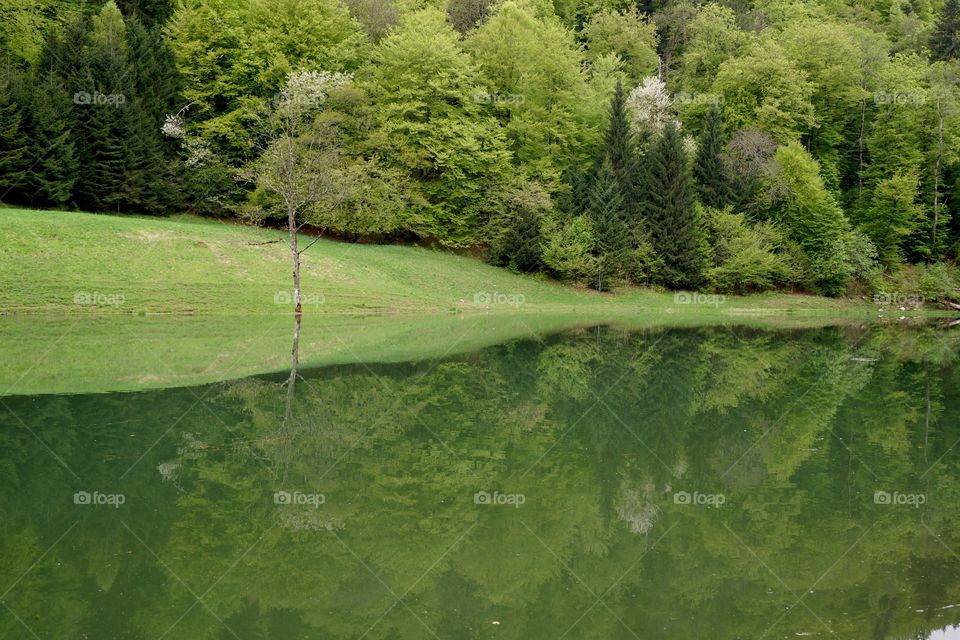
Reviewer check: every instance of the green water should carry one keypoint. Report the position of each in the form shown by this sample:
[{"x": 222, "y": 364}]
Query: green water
[{"x": 667, "y": 483}]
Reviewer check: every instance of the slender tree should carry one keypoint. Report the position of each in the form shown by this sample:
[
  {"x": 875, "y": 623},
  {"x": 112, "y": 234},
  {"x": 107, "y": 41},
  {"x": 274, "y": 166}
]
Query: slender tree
[
  {"x": 710, "y": 171},
  {"x": 621, "y": 152},
  {"x": 604, "y": 208},
  {"x": 671, "y": 212}
]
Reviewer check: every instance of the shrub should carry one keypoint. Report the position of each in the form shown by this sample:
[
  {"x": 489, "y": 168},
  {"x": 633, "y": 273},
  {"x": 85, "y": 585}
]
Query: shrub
[
  {"x": 568, "y": 249},
  {"x": 746, "y": 257}
]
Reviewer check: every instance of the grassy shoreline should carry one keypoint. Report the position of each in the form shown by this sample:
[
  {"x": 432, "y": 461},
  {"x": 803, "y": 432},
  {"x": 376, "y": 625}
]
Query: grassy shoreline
[{"x": 66, "y": 263}]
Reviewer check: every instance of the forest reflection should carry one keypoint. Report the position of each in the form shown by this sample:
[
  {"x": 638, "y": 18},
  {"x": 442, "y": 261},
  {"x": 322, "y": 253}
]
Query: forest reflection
[{"x": 598, "y": 483}]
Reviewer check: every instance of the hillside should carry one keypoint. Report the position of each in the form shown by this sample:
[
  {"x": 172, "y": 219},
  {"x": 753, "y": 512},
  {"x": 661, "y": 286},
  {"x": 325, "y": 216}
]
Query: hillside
[{"x": 71, "y": 263}]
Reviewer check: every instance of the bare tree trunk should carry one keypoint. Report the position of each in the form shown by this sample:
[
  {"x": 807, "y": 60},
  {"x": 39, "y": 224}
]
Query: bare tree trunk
[
  {"x": 295, "y": 253},
  {"x": 863, "y": 124},
  {"x": 936, "y": 184}
]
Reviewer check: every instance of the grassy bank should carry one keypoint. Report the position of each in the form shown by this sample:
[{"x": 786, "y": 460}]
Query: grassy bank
[{"x": 74, "y": 263}]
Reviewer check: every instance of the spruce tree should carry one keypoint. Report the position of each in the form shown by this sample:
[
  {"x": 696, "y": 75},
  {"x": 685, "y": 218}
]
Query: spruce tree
[
  {"x": 604, "y": 208},
  {"x": 620, "y": 151},
  {"x": 671, "y": 212},
  {"x": 13, "y": 144},
  {"x": 710, "y": 171},
  {"x": 53, "y": 174},
  {"x": 945, "y": 41},
  {"x": 573, "y": 201}
]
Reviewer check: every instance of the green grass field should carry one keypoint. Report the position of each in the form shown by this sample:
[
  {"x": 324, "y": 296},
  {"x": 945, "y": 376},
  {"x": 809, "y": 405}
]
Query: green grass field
[
  {"x": 76, "y": 263},
  {"x": 198, "y": 303}
]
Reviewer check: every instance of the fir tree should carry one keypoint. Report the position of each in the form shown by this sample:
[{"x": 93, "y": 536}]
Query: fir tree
[
  {"x": 604, "y": 208},
  {"x": 573, "y": 201},
  {"x": 945, "y": 41},
  {"x": 620, "y": 151},
  {"x": 671, "y": 212},
  {"x": 520, "y": 247},
  {"x": 13, "y": 143},
  {"x": 710, "y": 171},
  {"x": 54, "y": 171}
]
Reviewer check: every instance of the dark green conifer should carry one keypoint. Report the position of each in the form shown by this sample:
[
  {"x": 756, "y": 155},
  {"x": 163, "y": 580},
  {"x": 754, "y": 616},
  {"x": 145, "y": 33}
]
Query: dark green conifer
[
  {"x": 671, "y": 212},
  {"x": 604, "y": 208},
  {"x": 710, "y": 171},
  {"x": 945, "y": 41}
]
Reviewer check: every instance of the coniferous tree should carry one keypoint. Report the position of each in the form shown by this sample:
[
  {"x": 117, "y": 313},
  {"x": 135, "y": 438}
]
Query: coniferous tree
[
  {"x": 604, "y": 208},
  {"x": 620, "y": 151},
  {"x": 520, "y": 247},
  {"x": 13, "y": 143},
  {"x": 945, "y": 41},
  {"x": 573, "y": 201},
  {"x": 54, "y": 169},
  {"x": 710, "y": 171},
  {"x": 671, "y": 212}
]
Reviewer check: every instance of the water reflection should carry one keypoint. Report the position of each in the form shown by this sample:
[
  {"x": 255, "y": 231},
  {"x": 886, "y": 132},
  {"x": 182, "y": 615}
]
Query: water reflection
[{"x": 594, "y": 484}]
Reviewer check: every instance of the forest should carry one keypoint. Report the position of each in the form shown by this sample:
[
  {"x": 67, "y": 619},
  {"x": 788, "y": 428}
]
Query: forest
[{"x": 737, "y": 146}]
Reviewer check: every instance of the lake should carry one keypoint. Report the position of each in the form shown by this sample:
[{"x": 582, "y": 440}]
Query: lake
[{"x": 680, "y": 482}]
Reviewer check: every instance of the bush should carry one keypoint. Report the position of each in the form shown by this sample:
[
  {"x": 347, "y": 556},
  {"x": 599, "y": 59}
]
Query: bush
[
  {"x": 746, "y": 257},
  {"x": 938, "y": 282},
  {"x": 568, "y": 249}
]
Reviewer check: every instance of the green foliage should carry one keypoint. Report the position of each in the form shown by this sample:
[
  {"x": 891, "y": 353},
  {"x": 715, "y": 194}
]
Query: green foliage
[
  {"x": 811, "y": 216},
  {"x": 945, "y": 40},
  {"x": 532, "y": 80},
  {"x": 13, "y": 141},
  {"x": 235, "y": 55},
  {"x": 670, "y": 210},
  {"x": 746, "y": 257},
  {"x": 764, "y": 88},
  {"x": 434, "y": 130},
  {"x": 629, "y": 35},
  {"x": 893, "y": 216},
  {"x": 604, "y": 207},
  {"x": 568, "y": 249},
  {"x": 710, "y": 171},
  {"x": 713, "y": 38}
]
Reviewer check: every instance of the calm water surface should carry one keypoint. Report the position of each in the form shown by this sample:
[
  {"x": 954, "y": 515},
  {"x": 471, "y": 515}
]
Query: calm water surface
[{"x": 670, "y": 483}]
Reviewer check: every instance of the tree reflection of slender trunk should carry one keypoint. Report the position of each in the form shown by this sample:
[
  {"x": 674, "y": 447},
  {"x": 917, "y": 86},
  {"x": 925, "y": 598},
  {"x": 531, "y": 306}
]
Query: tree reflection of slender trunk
[{"x": 287, "y": 429}]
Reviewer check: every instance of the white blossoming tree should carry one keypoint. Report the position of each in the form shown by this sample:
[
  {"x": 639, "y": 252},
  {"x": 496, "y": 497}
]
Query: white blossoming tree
[{"x": 301, "y": 156}]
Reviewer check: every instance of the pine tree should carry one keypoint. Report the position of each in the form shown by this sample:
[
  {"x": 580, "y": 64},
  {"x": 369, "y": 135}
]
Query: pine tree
[
  {"x": 671, "y": 213},
  {"x": 619, "y": 149},
  {"x": 573, "y": 201},
  {"x": 604, "y": 208},
  {"x": 13, "y": 143},
  {"x": 53, "y": 174},
  {"x": 710, "y": 171},
  {"x": 520, "y": 247},
  {"x": 945, "y": 42}
]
